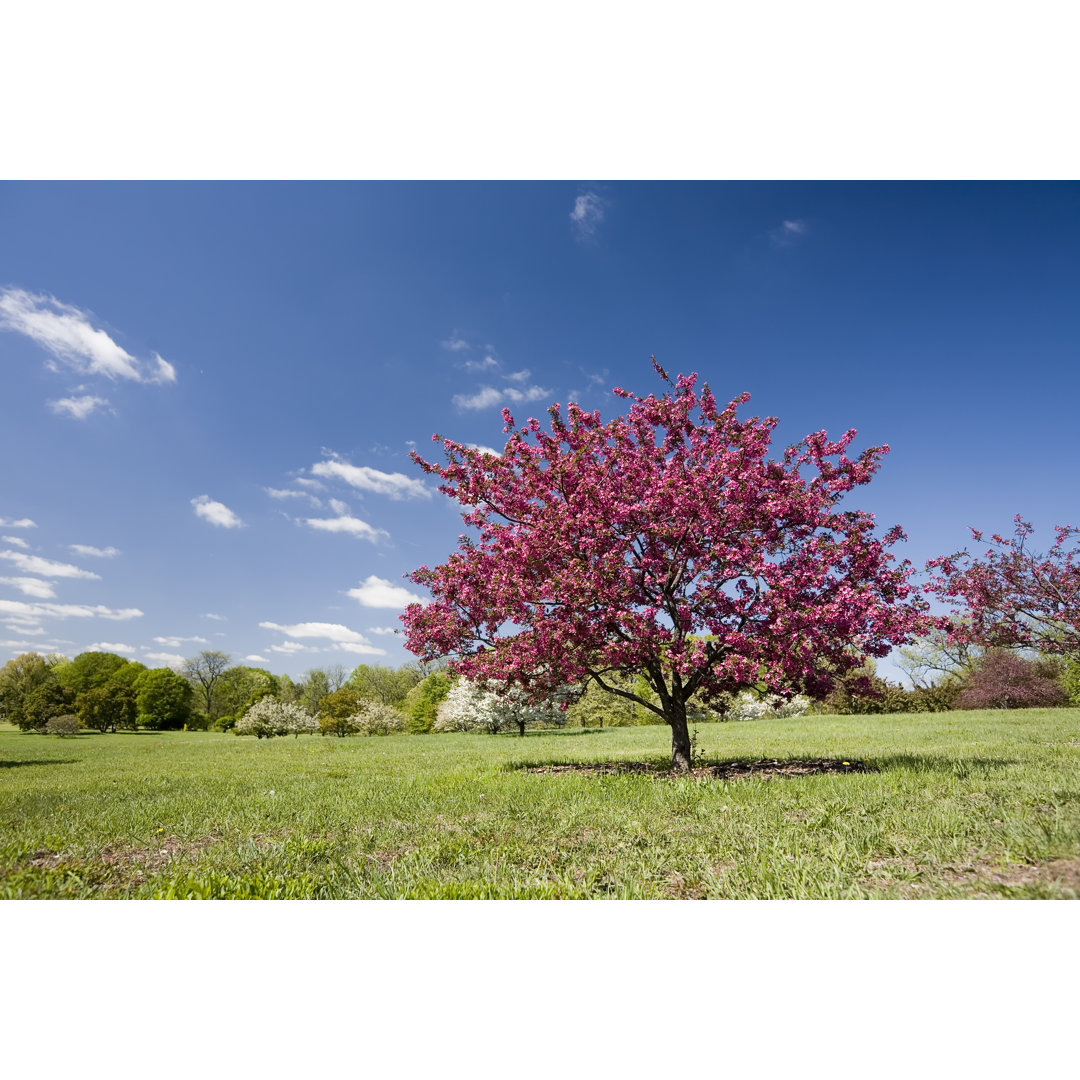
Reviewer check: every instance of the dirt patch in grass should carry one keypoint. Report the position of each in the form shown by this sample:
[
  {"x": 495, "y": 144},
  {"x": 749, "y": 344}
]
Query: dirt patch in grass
[
  {"x": 978, "y": 878},
  {"x": 766, "y": 768}
]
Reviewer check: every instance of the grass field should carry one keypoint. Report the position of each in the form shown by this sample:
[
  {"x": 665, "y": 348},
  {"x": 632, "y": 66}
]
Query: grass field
[{"x": 951, "y": 805}]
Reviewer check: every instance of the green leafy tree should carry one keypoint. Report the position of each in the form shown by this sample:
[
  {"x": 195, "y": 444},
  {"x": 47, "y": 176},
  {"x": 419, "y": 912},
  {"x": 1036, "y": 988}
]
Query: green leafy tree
[
  {"x": 203, "y": 672},
  {"x": 19, "y": 678},
  {"x": 240, "y": 687},
  {"x": 421, "y": 704},
  {"x": 90, "y": 671},
  {"x": 47, "y": 700},
  {"x": 164, "y": 699},
  {"x": 385, "y": 685},
  {"x": 107, "y": 708}
]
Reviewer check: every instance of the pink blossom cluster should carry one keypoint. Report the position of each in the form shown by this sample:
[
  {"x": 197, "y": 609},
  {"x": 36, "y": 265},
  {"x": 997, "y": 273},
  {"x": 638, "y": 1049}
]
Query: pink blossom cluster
[
  {"x": 665, "y": 541},
  {"x": 1012, "y": 597}
]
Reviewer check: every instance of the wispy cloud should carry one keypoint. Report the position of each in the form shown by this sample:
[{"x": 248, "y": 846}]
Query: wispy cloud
[
  {"x": 22, "y": 523},
  {"x": 176, "y": 642},
  {"x": 383, "y": 630},
  {"x": 18, "y": 541},
  {"x": 488, "y": 396},
  {"x": 35, "y": 564},
  {"x": 79, "y": 407},
  {"x": 30, "y": 586},
  {"x": 377, "y": 592},
  {"x": 456, "y": 343},
  {"x": 257, "y": 658},
  {"x": 216, "y": 618},
  {"x": 396, "y": 485},
  {"x": 488, "y": 363},
  {"x": 785, "y": 234},
  {"x": 287, "y": 493},
  {"x": 94, "y": 552},
  {"x": 18, "y": 609},
  {"x": 173, "y": 660},
  {"x": 353, "y": 526},
  {"x": 330, "y": 631},
  {"x": 586, "y": 215},
  {"x": 216, "y": 513},
  {"x": 69, "y": 335},
  {"x": 111, "y": 646},
  {"x": 290, "y": 647}
]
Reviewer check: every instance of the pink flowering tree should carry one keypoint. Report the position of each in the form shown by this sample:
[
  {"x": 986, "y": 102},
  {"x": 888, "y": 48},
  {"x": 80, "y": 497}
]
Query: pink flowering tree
[
  {"x": 1012, "y": 597},
  {"x": 663, "y": 542}
]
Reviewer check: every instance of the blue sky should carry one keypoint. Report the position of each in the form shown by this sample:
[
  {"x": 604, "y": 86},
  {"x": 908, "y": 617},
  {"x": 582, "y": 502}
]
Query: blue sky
[{"x": 210, "y": 390}]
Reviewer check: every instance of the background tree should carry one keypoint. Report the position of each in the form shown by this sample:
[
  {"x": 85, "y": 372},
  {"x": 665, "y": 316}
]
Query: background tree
[
  {"x": 90, "y": 670},
  {"x": 203, "y": 672},
  {"x": 664, "y": 543},
  {"x": 45, "y": 701},
  {"x": 107, "y": 708},
  {"x": 1011, "y": 597},
  {"x": 470, "y": 706},
  {"x": 269, "y": 717},
  {"x": 164, "y": 699},
  {"x": 389, "y": 686},
  {"x": 19, "y": 678},
  {"x": 240, "y": 687},
  {"x": 421, "y": 704},
  {"x": 1001, "y": 679}
]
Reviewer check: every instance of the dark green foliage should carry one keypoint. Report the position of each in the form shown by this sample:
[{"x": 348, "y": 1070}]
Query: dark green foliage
[
  {"x": 862, "y": 692},
  {"x": 598, "y": 708},
  {"x": 421, "y": 704},
  {"x": 1070, "y": 680},
  {"x": 164, "y": 700},
  {"x": 238, "y": 688},
  {"x": 19, "y": 678},
  {"x": 108, "y": 708},
  {"x": 47, "y": 700}
]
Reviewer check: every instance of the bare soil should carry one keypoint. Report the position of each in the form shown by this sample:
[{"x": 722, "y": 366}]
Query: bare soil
[{"x": 766, "y": 768}]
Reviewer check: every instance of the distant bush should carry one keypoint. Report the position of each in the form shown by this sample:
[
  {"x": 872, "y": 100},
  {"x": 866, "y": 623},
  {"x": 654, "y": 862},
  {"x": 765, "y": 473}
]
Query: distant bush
[
  {"x": 748, "y": 706},
  {"x": 337, "y": 725},
  {"x": 374, "y": 718},
  {"x": 1000, "y": 679},
  {"x": 269, "y": 717},
  {"x": 61, "y": 725}
]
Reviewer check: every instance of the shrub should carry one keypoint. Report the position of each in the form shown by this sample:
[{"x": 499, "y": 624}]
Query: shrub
[
  {"x": 749, "y": 706},
  {"x": 374, "y": 718},
  {"x": 61, "y": 725},
  {"x": 269, "y": 717},
  {"x": 1000, "y": 679}
]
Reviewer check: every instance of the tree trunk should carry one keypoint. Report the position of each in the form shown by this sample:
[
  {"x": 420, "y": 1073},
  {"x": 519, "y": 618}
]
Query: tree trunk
[
  {"x": 680, "y": 737},
  {"x": 521, "y": 728}
]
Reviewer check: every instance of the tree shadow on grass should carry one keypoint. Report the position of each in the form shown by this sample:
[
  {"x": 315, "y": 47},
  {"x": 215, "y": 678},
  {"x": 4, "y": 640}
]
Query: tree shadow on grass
[
  {"x": 939, "y": 763},
  {"x": 765, "y": 768},
  {"x": 38, "y": 761}
]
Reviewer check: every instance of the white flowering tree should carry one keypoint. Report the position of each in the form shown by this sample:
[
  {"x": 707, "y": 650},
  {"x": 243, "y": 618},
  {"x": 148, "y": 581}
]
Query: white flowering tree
[
  {"x": 748, "y": 706},
  {"x": 472, "y": 706},
  {"x": 269, "y": 717},
  {"x": 375, "y": 718}
]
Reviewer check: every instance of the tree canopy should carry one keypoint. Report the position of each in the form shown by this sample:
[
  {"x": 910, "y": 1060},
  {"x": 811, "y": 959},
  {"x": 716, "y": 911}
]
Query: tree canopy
[{"x": 664, "y": 542}]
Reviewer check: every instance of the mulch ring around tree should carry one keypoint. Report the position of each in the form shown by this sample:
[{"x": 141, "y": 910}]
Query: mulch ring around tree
[{"x": 766, "y": 768}]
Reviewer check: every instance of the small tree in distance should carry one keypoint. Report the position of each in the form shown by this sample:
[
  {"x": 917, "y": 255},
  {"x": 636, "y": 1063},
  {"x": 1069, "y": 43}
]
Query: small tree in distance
[
  {"x": 665, "y": 543},
  {"x": 1000, "y": 679}
]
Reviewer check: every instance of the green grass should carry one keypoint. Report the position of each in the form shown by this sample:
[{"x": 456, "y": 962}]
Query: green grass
[{"x": 959, "y": 804}]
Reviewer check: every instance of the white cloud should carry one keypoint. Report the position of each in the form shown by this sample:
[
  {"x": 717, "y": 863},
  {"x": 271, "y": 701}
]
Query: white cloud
[
  {"x": 95, "y": 552},
  {"x": 17, "y": 609},
  {"x": 484, "y": 449},
  {"x": 377, "y": 592},
  {"x": 313, "y": 484},
  {"x": 216, "y": 618},
  {"x": 287, "y": 493},
  {"x": 587, "y": 214},
  {"x": 486, "y": 364},
  {"x": 331, "y": 631},
  {"x": 488, "y": 396},
  {"x": 216, "y": 513},
  {"x": 290, "y": 647},
  {"x": 30, "y": 586},
  {"x": 79, "y": 407},
  {"x": 396, "y": 485},
  {"x": 455, "y": 344},
  {"x": 173, "y": 660},
  {"x": 69, "y": 335},
  {"x": 256, "y": 657},
  {"x": 176, "y": 642},
  {"x": 22, "y": 523},
  {"x": 345, "y": 524},
  {"x": 361, "y": 650},
  {"x": 518, "y": 376},
  {"x": 35, "y": 564},
  {"x": 110, "y": 646},
  {"x": 382, "y": 630},
  {"x": 339, "y": 507},
  {"x": 18, "y": 541}
]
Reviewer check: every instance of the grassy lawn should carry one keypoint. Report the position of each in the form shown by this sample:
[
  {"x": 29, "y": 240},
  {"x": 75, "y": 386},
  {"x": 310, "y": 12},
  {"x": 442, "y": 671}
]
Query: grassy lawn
[{"x": 951, "y": 805}]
